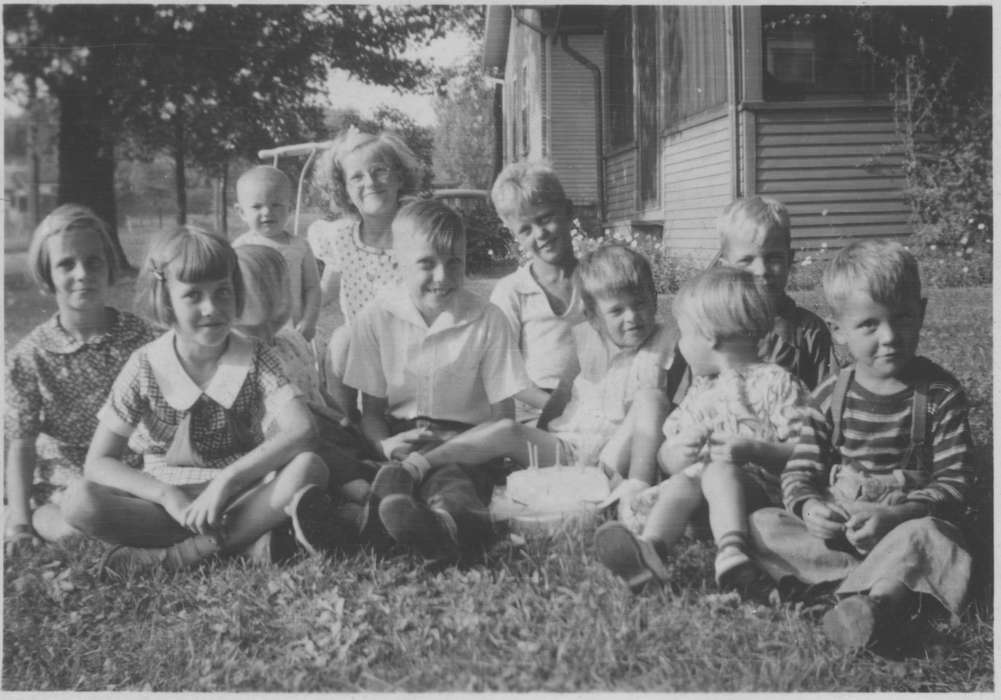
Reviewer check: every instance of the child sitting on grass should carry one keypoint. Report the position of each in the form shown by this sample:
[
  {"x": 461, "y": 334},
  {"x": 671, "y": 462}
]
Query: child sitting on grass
[
  {"x": 883, "y": 468},
  {"x": 366, "y": 178},
  {"x": 616, "y": 403},
  {"x": 264, "y": 200},
  {"x": 60, "y": 373},
  {"x": 265, "y": 315},
  {"x": 431, "y": 360},
  {"x": 727, "y": 442},
  {"x": 541, "y": 299},
  {"x": 193, "y": 402},
  {"x": 755, "y": 236}
]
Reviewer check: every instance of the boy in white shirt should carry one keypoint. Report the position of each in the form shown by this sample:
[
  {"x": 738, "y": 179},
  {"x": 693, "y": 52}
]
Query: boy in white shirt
[
  {"x": 431, "y": 360},
  {"x": 616, "y": 403},
  {"x": 264, "y": 200},
  {"x": 541, "y": 299}
]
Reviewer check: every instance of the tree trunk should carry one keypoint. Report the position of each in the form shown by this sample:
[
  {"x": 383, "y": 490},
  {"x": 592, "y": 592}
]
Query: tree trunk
[
  {"x": 221, "y": 204},
  {"x": 180, "y": 183},
  {"x": 86, "y": 158}
]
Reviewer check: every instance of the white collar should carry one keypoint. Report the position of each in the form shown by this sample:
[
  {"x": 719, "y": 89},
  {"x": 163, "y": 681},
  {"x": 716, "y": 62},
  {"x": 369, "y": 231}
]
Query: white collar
[
  {"x": 466, "y": 308},
  {"x": 181, "y": 392}
]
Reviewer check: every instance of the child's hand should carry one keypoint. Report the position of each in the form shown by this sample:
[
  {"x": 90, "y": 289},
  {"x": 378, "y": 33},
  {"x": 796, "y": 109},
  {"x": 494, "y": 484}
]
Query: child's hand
[
  {"x": 307, "y": 330},
  {"x": 687, "y": 444},
  {"x": 20, "y": 538},
  {"x": 204, "y": 515},
  {"x": 824, "y": 520},
  {"x": 175, "y": 502},
  {"x": 864, "y": 530},
  {"x": 400, "y": 445},
  {"x": 727, "y": 447}
]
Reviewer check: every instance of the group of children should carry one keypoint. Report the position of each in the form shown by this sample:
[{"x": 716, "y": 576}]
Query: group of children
[{"x": 211, "y": 428}]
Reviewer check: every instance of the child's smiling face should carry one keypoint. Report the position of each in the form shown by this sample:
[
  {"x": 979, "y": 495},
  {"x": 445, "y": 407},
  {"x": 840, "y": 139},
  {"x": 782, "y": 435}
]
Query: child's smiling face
[
  {"x": 264, "y": 204},
  {"x": 78, "y": 269},
  {"x": 626, "y": 319},
  {"x": 543, "y": 231},
  {"x": 767, "y": 257},
  {"x": 203, "y": 311},
  {"x": 431, "y": 276},
  {"x": 882, "y": 338},
  {"x": 373, "y": 185}
]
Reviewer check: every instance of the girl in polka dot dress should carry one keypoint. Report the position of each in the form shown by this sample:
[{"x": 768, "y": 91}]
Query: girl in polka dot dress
[
  {"x": 193, "y": 403},
  {"x": 59, "y": 374},
  {"x": 365, "y": 177}
]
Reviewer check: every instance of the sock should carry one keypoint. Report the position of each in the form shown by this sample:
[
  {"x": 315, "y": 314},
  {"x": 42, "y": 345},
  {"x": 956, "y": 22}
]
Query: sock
[
  {"x": 190, "y": 551},
  {"x": 417, "y": 465},
  {"x": 731, "y": 553}
]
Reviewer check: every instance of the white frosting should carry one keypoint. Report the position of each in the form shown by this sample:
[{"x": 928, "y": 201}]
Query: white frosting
[{"x": 557, "y": 489}]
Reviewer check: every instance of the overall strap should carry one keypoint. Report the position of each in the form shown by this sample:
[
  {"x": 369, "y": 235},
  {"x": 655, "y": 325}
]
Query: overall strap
[
  {"x": 919, "y": 424},
  {"x": 841, "y": 385}
]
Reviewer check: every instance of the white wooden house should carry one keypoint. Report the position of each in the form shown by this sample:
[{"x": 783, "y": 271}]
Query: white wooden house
[{"x": 656, "y": 116}]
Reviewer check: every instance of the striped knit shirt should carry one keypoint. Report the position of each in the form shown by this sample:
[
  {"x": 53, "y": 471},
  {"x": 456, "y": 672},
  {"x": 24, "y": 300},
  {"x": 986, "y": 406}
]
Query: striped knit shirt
[{"x": 877, "y": 434}]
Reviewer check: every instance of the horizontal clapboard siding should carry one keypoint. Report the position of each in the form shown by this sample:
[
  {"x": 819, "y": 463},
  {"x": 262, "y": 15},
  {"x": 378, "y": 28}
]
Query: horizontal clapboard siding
[
  {"x": 620, "y": 186},
  {"x": 572, "y": 123},
  {"x": 696, "y": 170},
  {"x": 838, "y": 171}
]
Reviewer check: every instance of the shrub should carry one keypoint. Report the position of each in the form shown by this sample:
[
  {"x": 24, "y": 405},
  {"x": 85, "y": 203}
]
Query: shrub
[{"x": 489, "y": 245}]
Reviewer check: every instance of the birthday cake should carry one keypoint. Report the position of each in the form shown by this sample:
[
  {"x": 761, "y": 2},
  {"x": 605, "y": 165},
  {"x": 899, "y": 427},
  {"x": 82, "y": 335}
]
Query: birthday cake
[{"x": 557, "y": 489}]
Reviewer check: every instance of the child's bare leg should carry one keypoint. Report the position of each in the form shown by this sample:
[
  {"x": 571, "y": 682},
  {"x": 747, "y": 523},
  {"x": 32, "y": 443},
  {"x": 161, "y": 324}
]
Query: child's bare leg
[
  {"x": 724, "y": 493},
  {"x": 677, "y": 501},
  {"x": 51, "y": 526},
  {"x": 262, "y": 508},
  {"x": 648, "y": 412},
  {"x": 489, "y": 441}
]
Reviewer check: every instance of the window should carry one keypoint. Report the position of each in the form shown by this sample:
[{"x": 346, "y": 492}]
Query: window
[
  {"x": 812, "y": 51},
  {"x": 620, "y": 77}
]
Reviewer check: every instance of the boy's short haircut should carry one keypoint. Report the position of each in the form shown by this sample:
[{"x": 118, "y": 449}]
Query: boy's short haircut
[
  {"x": 885, "y": 270},
  {"x": 60, "y": 220},
  {"x": 751, "y": 218},
  {"x": 612, "y": 270},
  {"x": 265, "y": 172},
  {"x": 433, "y": 220},
  {"x": 188, "y": 254},
  {"x": 328, "y": 174},
  {"x": 726, "y": 302},
  {"x": 526, "y": 183},
  {"x": 265, "y": 272}
]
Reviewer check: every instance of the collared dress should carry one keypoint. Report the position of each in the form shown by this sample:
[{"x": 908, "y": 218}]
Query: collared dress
[
  {"x": 56, "y": 384},
  {"x": 365, "y": 270},
  {"x": 187, "y": 433},
  {"x": 452, "y": 370}
]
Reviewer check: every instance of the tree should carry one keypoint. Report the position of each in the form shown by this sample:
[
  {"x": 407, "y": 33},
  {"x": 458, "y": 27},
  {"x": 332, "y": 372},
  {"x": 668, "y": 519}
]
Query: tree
[
  {"x": 463, "y": 139},
  {"x": 207, "y": 81}
]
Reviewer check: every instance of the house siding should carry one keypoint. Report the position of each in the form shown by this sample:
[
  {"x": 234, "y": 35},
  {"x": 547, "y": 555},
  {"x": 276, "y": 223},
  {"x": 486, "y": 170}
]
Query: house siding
[
  {"x": 838, "y": 171},
  {"x": 697, "y": 166},
  {"x": 620, "y": 188},
  {"x": 573, "y": 150}
]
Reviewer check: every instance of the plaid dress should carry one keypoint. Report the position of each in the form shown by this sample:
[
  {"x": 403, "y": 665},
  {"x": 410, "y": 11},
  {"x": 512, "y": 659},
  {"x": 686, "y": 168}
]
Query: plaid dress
[{"x": 160, "y": 408}]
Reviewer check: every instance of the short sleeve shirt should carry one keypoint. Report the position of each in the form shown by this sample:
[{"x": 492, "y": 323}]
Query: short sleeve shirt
[
  {"x": 153, "y": 394},
  {"x": 56, "y": 383},
  {"x": 365, "y": 270},
  {"x": 453, "y": 369},
  {"x": 299, "y": 260},
  {"x": 545, "y": 339}
]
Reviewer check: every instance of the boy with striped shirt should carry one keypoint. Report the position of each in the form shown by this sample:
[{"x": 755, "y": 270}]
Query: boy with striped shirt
[{"x": 882, "y": 471}]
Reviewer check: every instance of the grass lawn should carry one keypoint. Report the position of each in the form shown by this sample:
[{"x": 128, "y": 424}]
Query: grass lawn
[{"x": 537, "y": 615}]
